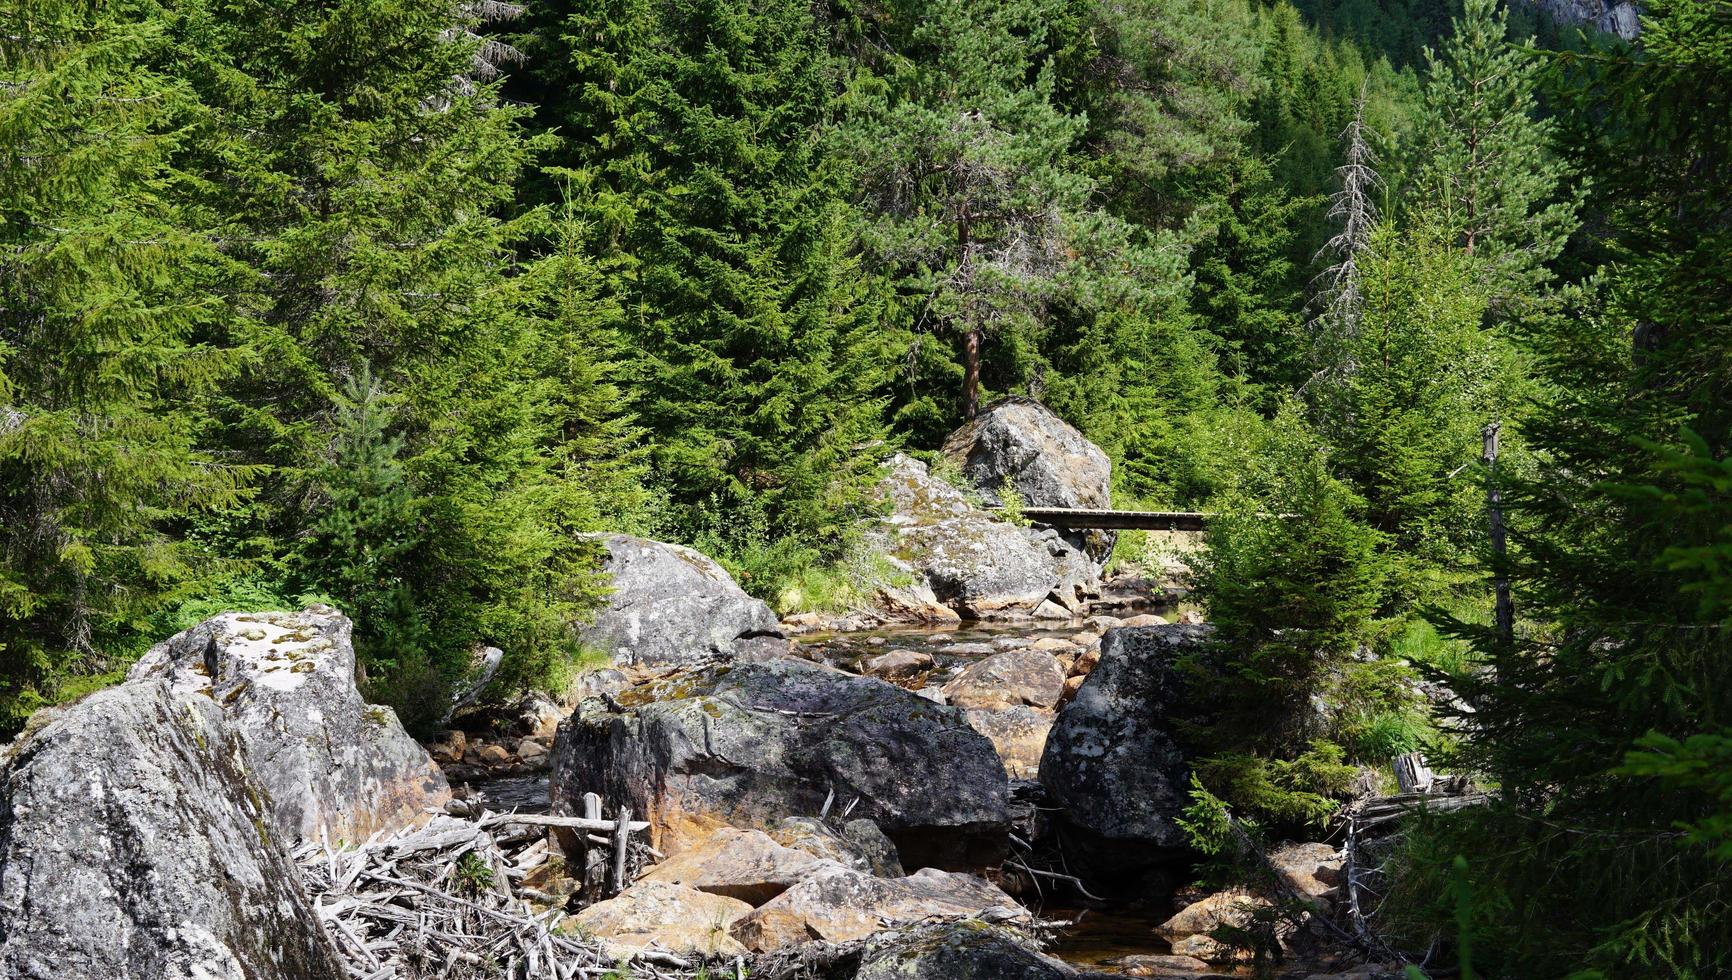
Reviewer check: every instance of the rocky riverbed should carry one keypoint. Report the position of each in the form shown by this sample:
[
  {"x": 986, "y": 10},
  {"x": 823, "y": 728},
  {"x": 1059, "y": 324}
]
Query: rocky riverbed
[{"x": 979, "y": 764}]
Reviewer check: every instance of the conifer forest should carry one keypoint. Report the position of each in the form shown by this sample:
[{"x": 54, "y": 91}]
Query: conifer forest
[{"x": 550, "y": 367}]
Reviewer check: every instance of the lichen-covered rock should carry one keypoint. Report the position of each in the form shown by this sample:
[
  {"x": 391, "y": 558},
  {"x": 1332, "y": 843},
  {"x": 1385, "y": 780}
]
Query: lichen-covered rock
[
  {"x": 674, "y": 606},
  {"x": 859, "y": 844},
  {"x": 970, "y": 560},
  {"x": 674, "y": 917},
  {"x": 1018, "y": 733},
  {"x": 751, "y": 744},
  {"x": 1030, "y": 677},
  {"x": 957, "y": 951},
  {"x": 1020, "y": 444},
  {"x": 134, "y": 844},
  {"x": 1111, "y": 762},
  {"x": 1189, "y": 929},
  {"x": 332, "y": 763},
  {"x": 839, "y": 905}
]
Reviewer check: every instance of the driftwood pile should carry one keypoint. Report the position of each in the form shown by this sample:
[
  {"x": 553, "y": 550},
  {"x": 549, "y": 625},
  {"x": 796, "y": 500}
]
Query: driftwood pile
[{"x": 449, "y": 899}]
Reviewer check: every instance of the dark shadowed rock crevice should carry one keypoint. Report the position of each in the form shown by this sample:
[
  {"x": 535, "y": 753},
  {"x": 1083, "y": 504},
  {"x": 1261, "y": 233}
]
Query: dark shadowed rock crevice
[{"x": 750, "y": 745}]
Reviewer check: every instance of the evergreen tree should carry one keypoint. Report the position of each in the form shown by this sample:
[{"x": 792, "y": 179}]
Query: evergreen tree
[
  {"x": 1582, "y": 859},
  {"x": 963, "y": 161},
  {"x": 356, "y": 164},
  {"x": 104, "y": 304},
  {"x": 1489, "y": 165},
  {"x": 1292, "y": 579},
  {"x": 695, "y": 128}
]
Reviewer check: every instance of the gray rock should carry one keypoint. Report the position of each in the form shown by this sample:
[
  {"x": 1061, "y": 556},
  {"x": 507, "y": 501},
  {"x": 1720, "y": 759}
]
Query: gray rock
[
  {"x": 1030, "y": 677},
  {"x": 134, "y": 844},
  {"x": 749, "y": 745},
  {"x": 1111, "y": 762},
  {"x": 1021, "y": 444},
  {"x": 1610, "y": 16},
  {"x": 953, "y": 951},
  {"x": 968, "y": 559},
  {"x": 286, "y": 681},
  {"x": 675, "y": 606},
  {"x": 838, "y": 905}
]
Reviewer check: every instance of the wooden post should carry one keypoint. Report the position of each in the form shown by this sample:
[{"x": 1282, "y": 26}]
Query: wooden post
[
  {"x": 594, "y": 861},
  {"x": 1494, "y": 506},
  {"x": 621, "y": 837},
  {"x": 1411, "y": 773}
]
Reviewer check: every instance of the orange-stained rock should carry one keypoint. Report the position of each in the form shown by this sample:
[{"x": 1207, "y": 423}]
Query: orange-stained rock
[
  {"x": 838, "y": 905},
  {"x": 743, "y": 864},
  {"x": 677, "y": 918},
  {"x": 1018, "y": 733},
  {"x": 1030, "y": 677}
]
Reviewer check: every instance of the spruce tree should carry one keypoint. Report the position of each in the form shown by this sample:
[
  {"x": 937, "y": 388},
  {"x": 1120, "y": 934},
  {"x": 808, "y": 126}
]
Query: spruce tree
[
  {"x": 694, "y": 128},
  {"x": 360, "y": 167},
  {"x": 1589, "y": 858},
  {"x": 105, "y": 303}
]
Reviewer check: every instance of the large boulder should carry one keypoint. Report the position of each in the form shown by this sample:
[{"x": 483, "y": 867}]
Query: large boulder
[
  {"x": 1019, "y": 444},
  {"x": 1026, "y": 676},
  {"x": 839, "y": 905},
  {"x": 968, "y": 559},
  {"x": 333, "y": 764},
  {"x": 675, "y": 606},
  {"x": 751, "y": 744},
  {"x": 134, "y": 843},
  {"x": 1111, "y": 761}
]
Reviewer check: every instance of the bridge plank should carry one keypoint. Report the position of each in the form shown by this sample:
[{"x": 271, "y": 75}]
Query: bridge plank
[{"x": 1145, "y": 520}]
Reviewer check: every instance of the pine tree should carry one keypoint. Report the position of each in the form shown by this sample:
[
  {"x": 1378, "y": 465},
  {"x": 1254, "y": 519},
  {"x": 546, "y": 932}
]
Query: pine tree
[
  {"x": 963, "y": 161},
  {"x": 1488, "y": 163},
  {"x": 104, "y": 306}
]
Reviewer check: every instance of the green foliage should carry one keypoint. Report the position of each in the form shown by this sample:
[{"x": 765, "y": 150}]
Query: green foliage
[
  {"x": 1489, "y": 170},
  {"x": 105, "y": 312},
  {"x": 1301, "y": 791},
  {"x": 473, "y": 875}
]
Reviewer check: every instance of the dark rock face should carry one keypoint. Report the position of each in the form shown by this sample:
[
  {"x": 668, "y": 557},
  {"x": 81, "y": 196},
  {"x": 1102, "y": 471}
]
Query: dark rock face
[
  {"x": 286, "y": 682},
  {"x": 1020, "y": 444},
  {"x": 674, "y": 606},
  {"x": 968, "y": 559},
  {"x": 1620, "y": 17},
  {"x": 959, "y": 951},
  {"x": 1110, "y": 760},
  {"x": 749, "y": 745},
  {"x": 133, "y": 843}
]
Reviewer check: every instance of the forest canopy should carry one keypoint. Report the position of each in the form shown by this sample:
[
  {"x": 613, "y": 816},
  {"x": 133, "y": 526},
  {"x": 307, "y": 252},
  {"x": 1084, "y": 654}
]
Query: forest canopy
[{"x": 385, "y": 303}]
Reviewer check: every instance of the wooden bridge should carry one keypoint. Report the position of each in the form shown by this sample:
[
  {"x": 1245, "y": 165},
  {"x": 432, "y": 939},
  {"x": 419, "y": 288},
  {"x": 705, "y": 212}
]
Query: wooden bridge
[{"x": 1076, "y": 518}]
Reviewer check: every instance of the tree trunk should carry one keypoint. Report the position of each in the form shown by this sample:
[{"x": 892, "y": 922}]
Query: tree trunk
[{"x": 971, "y": 374}]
